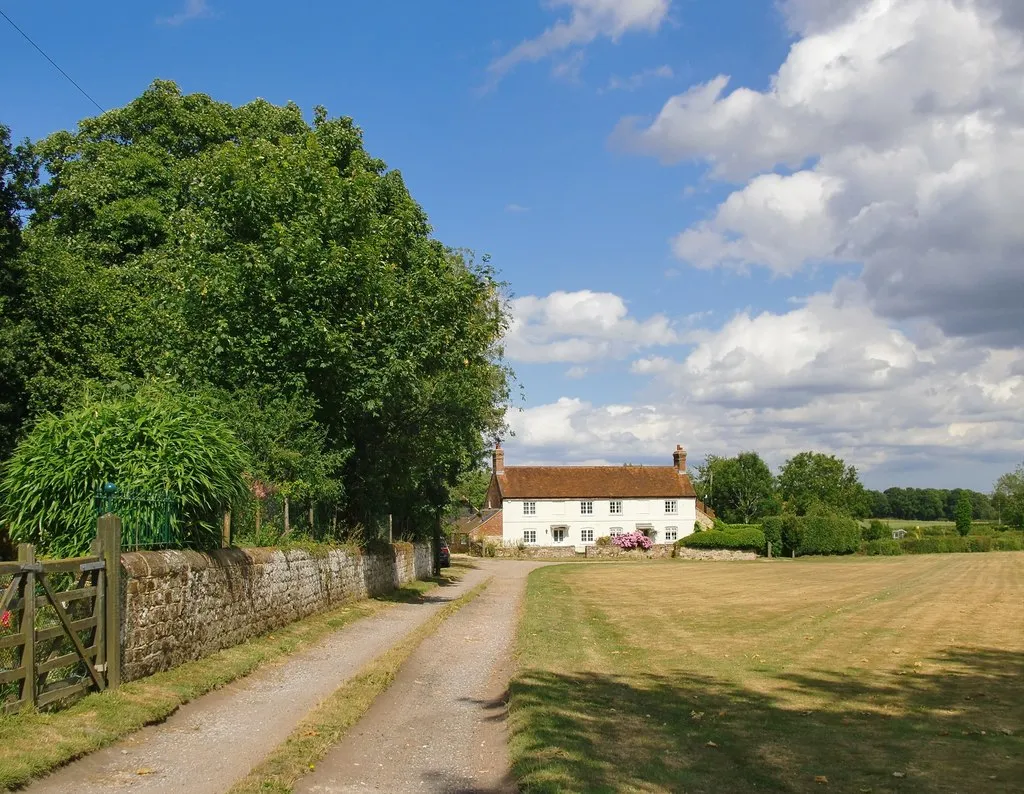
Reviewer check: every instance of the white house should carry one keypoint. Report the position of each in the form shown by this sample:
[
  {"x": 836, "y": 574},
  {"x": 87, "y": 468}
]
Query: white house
[{"x": 576, "y": 505}]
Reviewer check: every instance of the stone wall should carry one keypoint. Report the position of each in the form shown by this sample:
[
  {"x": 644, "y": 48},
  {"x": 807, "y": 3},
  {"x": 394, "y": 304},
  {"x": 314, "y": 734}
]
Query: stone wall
[
  {"x": 656, "y": 552},
  {"x": 183, "y": 605},
  {"x": 714, "y": 554},
  {"x": 535, "y": 552}
]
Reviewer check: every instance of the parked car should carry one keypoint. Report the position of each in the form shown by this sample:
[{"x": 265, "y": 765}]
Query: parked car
[{"x": 445, "y": 555}]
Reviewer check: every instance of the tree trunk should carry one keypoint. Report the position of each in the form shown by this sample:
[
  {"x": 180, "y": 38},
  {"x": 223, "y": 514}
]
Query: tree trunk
[{"x": 287, "y": 523}]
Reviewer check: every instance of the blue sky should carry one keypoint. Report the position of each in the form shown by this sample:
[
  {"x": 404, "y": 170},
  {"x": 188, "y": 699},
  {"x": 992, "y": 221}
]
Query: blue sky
[{"x": 729, "y": 266}]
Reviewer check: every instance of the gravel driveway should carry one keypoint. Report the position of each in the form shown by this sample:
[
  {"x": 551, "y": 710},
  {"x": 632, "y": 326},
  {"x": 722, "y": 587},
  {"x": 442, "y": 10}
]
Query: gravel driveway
[
  {"x": 209, "y": 744},
  {"x": 440, "y": 726}
]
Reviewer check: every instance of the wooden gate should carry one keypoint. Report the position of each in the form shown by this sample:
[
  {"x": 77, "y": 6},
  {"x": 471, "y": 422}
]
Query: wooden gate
[{"x": 60, "y": 623}]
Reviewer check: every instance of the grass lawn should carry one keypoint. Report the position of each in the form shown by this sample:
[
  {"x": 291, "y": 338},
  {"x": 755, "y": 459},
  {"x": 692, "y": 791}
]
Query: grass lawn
[{"x": 855, "y": 674}]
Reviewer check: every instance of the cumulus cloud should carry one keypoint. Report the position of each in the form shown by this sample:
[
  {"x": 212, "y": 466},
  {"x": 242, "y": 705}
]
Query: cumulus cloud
[
  {"x": 827, "y": 375},
  {"x": 576, "y": 327},
  {"x": 892, "y": 137},
  {"x": 588, "y": 20}
]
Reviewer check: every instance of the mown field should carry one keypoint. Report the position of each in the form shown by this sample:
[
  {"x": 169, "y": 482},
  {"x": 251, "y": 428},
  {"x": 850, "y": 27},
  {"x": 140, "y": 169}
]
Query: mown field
[{"x": 854, "y": 675}]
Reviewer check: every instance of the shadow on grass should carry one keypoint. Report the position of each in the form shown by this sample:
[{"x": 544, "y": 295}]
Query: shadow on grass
[{"x": 955, "y": 731}]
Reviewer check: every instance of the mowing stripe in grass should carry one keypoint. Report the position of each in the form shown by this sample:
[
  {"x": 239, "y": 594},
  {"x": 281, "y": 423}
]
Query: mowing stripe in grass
[
  {"x": 36, "y": 743},
  {"x": 325, "y": 725}
]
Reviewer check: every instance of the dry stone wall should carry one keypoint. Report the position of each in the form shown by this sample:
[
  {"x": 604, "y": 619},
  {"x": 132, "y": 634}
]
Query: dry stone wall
[
  {"x": 183, "y": 605},
  {"x": 656, "y": 552}
]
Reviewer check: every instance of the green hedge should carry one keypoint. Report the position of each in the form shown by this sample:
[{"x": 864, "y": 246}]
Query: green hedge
[
  {"x": 828, "y": 534},
  {"x": 882, "y": 548},
  {"x": 772, "y": 529},
  {"x": 945, "y": 545},
  {"x": 745, "y": 538}
]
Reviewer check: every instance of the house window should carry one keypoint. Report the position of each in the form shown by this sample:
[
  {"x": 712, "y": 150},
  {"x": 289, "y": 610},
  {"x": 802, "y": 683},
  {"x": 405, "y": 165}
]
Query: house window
[
  {"x": 529, "y": 536},
  {"x": 671, "y": 506},
  {"x": 615, "y": 532},
  {"x": 588, "y": 536},
  {"x": 587, "y": 508},
  {"x": 615, "y": 507},
  {"x": 558, "y": 534},
  {"x": 671, "y": 534},
  {"x": 529, "y": 508}
]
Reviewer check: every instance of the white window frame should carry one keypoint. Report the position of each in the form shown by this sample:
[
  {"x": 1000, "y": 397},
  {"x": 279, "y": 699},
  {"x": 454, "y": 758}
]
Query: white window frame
[
  {"x": 529, "y": 508},
  {"x": 554, "y": 534},
  {"x": 615, "y": 507},
  {"x": 614, "y": 532},
  {"x": 671, "y": 507},
  {"x": 671, "y": 534},
  {"x": 529, "y": 536},
  {"x": 587, "y": 536},
  {"x": 587, "y": 507}
]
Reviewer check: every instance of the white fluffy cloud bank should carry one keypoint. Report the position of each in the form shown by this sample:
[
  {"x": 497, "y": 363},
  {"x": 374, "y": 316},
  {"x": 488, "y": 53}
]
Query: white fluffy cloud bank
[
  {"x": 828, "y": 375},
  {"x": 892, "y": 137},
  {"x": 577, "y": 327}
]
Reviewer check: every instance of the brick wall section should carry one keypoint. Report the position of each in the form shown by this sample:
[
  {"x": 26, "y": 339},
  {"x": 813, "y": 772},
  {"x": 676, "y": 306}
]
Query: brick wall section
[{"x": 183, "y": 605}]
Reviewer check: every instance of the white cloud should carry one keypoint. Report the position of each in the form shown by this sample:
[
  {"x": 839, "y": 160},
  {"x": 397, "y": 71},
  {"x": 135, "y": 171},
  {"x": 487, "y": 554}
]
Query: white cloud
[
  {"x": 588, "y": 20},
  {"x": 899, "y": 128},
  {"x": 640, "y": 79},
  {"x": 516, "y": 208},
  {"x": 827, "y": 375},
  {"x": 194, "y": 9},
  {"x": 576, "y": 373},
  {"x": 579, "y": 327}
]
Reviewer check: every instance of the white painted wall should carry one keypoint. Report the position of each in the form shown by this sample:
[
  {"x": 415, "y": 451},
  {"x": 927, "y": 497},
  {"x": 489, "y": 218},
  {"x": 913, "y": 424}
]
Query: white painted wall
[{"x": 567, "y": 512}]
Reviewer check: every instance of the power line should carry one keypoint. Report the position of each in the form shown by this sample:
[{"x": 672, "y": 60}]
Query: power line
[{"x": 52, "y": 62}]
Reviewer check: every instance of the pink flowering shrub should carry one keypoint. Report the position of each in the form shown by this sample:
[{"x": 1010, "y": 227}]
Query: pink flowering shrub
[{"x": 634, "y": 540}]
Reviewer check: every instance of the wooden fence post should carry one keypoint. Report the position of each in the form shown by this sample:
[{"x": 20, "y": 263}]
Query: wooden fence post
[
  {"x": 100, "y": 610},
  {"x": 225, "y": 538},
  {"x": 27, "y": 557},
  {"x": 769, "y": 549},
  {"x": 108, "y": 530}
]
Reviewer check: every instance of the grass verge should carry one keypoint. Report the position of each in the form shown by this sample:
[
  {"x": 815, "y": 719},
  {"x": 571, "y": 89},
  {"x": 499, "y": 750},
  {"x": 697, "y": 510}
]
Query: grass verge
[
  {"x": 876, "y": 675},
  {"x": 35, "y": 743},
  {"x": 325, "y": 725}
]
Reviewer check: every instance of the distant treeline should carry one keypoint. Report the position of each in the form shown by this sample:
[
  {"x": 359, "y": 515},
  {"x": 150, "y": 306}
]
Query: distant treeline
[{"x": 926, "y": 504}]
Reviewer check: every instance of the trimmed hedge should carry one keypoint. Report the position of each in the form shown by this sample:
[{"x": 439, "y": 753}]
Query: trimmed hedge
[
  {"x": 882, "y": 548},
  {"x": 945, "y": 545},
  {"x": 828, "y": 534},
  {"x": 745, "y": 539},
  {"x": 772, "y": 529}
]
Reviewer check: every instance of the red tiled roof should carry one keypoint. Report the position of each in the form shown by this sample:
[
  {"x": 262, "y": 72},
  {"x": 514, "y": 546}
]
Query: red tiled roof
[
  {"x": 598, "y": 482},
  {"x": 486, "y": 522}
]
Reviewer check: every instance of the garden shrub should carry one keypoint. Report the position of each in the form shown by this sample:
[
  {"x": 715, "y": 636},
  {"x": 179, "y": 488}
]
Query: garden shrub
[
  {"x": 744, "y": 539},
  {"x": 882, "y": 547},
  {"x": 151, "y": 442},
  {"x": 633, "y": 540},
  {"x": 876, "y": 530},
  {"x": 604, "y": 540}
]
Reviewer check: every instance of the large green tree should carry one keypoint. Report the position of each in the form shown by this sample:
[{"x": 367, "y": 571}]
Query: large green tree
[
  {"x": 740, "y": 489},
  {"x": 244, "y": 249},
  {"x": 809, "y": 479},
  {"x": 1008, "y": 497},
  {"x": 17, "y": 175}
]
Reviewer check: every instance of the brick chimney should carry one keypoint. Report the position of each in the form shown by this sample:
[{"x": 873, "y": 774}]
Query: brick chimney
[
  {"x": 498, "y": 459},
  {"x": 679, "y": 459}
]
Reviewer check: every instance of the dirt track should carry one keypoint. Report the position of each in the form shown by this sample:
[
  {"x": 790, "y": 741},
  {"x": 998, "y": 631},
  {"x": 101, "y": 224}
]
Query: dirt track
[
  {"x": 212, "y": 742},
  {"x": 440, "y": 726}
]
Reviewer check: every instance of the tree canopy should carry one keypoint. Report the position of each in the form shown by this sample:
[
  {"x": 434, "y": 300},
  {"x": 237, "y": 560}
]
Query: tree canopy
[
  {"x": 740, "y": 489},
  {"x": 814, "y": 478},
  {"x": 246, "y": 252}
]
